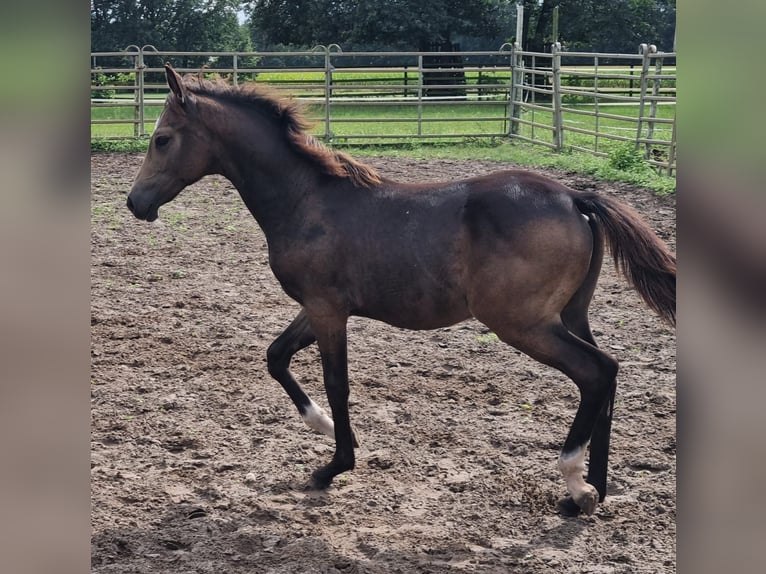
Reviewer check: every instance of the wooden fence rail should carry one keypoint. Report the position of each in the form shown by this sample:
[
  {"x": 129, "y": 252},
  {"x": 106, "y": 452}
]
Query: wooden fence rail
[{"x": 591, "y": 102}]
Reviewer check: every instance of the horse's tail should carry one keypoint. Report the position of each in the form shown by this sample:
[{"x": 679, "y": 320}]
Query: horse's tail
[{"x": 642, "y": 257}]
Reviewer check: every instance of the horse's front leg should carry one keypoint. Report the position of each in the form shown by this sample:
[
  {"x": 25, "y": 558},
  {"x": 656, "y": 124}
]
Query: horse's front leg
[
  {"x": 331, "y": 339},
  {"x": 297, "y": 336}
]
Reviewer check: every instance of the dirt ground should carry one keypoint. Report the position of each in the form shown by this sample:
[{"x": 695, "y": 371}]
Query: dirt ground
[{"x": 200, "y": 461}]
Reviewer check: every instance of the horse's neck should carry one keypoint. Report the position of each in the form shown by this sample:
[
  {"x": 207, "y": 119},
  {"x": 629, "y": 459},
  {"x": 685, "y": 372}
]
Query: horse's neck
[{"x": 271, "y": 178}]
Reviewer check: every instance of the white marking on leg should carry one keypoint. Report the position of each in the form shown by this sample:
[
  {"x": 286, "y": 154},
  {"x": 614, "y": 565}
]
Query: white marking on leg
[
  {"x": 317, "y": 419},
  {"x": 572, "y": 466}
]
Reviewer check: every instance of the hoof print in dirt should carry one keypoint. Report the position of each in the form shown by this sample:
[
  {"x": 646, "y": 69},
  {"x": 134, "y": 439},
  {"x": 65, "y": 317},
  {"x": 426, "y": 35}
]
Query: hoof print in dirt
[{"x": 380, "y": 461}]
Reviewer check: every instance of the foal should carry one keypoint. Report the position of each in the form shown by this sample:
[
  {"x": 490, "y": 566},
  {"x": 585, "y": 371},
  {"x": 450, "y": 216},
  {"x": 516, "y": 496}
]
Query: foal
[{"x": 519, "y": 252}]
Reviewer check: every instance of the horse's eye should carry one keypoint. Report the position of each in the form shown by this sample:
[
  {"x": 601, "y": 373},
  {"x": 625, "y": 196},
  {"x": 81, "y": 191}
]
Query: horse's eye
[{"x": 161, "y": 141}]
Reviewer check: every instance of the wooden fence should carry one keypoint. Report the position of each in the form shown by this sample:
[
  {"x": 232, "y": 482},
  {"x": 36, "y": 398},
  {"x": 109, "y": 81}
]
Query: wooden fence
[{"x": 592, "y": 102}]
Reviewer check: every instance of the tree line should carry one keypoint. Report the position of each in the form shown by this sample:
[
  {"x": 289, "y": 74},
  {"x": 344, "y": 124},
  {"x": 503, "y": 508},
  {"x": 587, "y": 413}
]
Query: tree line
[{"x": 421, "y": 25}]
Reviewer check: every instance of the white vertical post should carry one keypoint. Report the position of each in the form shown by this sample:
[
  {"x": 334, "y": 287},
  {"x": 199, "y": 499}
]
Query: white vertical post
[
  {"x": 653, "y": 107},
  {"x": 644, "y": 50},
  {"x": 327, "y": 94},
  {"x": 140, "y": 66},
  {"x": 420, "y": 94},
  {"x": 517, "y": 78},
  {"x": 558, "y": 119},
  {"x": 137, "y": 88}
]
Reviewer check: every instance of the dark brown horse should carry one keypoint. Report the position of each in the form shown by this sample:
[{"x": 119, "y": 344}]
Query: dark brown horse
[{"x": 517, "y": 251}]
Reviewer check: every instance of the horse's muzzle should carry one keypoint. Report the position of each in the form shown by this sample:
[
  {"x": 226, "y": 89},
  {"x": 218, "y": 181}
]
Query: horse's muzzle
[{"x": 145, "y": 212}]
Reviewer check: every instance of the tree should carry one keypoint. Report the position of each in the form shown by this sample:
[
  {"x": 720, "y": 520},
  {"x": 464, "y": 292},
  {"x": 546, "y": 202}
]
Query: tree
[
  {"x": 170, "y": 25},
  {"x": 390, "y": 24},
  {"x": 618, "y": 26}
]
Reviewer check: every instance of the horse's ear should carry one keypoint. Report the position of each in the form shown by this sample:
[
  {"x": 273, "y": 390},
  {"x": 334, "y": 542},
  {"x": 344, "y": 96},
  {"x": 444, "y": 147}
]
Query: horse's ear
[{"x": 176, "y": 84}]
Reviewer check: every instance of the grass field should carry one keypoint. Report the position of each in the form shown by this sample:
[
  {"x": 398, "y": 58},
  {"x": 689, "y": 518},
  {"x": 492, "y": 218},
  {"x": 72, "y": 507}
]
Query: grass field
[
  {"x": 401, "y": 121},
  {"x": 452, "y": 129}
]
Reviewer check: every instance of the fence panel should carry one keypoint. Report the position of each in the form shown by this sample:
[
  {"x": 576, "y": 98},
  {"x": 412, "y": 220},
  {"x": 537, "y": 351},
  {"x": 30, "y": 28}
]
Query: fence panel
[
  {"x": 591, "y": 102},
  {"x": 597, "y": 102}
]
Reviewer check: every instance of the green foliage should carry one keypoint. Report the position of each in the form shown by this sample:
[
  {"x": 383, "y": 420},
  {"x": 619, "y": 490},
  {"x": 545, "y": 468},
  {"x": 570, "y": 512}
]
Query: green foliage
[
  {"x": 191, "y": 25},
  {"x": 212, "y": 25},
  {"x": 101, "y": 79},
  {"x": 627, "y": 158},
  {"x": 528, "y": 155},
  {"x": 374, "y": 24},
  {"x": 487, "y": 338},
  {"x": 132, "y": 145},
  {"x": 593, "y": 25},
  {"x": 626, "y": 163}
]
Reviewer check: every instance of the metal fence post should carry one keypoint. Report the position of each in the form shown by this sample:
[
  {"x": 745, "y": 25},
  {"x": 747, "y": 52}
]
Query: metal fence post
[
  {"x": 672, "y": 149},
  {"x": 140, "y": 66},
  {"x": 420, "y": 94},
  {"x": 137, "y": 99},
  {"x": 516, "y": 74},
  {"x": 653, "y": 106},
  {"x": 234, "y": 70},
  {"x": 327, "y": 95},
  {"x": 558, "y": 121},
  {"x": 328, "y": 69},
  {"x": 142, "y": 94},
  {"x": 595, "y": 102},
  {"x": 644, "y": 50}
]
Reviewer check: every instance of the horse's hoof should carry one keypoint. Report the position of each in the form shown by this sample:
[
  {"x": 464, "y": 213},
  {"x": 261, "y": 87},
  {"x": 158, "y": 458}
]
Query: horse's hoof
[
  {"x": 585, "y": 503},
  {"x": 587, "y": 499},
  {"x": 567, "y": 507},
  {"x": 322, "y": 477}
]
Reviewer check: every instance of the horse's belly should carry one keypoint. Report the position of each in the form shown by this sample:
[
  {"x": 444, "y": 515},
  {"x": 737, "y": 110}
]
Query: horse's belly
[{"x": 411, "y": 307}]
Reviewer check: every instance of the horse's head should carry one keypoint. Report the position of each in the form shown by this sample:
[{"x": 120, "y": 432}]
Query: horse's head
[{"x": 179, "y": 152}]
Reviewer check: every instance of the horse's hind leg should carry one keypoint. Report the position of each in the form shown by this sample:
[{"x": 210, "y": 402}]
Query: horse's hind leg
[
  {"x": 297, "y": 336},
  {"x": 575, "y": 318},
  {"x": 594, "y": 372}
]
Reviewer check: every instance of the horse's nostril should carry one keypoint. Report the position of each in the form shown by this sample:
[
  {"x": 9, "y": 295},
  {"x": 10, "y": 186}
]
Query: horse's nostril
[{"x": 130, "y": 204}]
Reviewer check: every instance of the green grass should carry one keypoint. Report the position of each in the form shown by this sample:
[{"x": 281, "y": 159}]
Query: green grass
[
  {"x": 400, "y": 120},
  {"x": 463, "y": 122},
  {"x": 527, "y": 155}
]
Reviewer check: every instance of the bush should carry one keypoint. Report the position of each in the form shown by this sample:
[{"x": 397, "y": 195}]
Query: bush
[
  {"x": 104, "y": 94},
  {"x": 628, "y": 158},
  {"x": 128, "y": 145}
]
